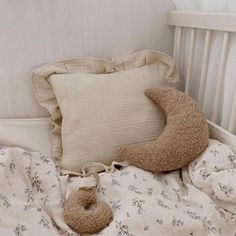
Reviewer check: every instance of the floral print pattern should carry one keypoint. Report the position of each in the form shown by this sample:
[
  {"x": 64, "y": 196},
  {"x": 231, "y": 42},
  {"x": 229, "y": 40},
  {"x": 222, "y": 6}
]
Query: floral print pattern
[
  {"x": 26, "y": 195},
  {"x": 199, "y": 199},
  {"x": 19, "y": 230}
]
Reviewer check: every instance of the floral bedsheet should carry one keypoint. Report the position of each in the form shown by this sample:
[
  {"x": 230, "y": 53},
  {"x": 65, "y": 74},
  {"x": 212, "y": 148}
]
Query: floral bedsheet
[{"x": 199, "y": 199}]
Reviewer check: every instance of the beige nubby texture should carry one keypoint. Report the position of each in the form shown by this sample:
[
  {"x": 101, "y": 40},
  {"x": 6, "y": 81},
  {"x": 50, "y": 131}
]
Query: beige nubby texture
[
  {"x": 184, "y": 138},
  {"x": 84, "y": 214}
]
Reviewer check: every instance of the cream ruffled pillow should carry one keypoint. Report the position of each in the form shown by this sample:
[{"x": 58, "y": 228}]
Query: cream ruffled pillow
[{"x": 99, "y": 104}]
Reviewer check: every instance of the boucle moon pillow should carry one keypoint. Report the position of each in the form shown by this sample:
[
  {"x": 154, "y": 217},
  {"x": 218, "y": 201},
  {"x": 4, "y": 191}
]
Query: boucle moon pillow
[
  {"x": 184, "y": 138},
  {"x": 97, "y": 104}
]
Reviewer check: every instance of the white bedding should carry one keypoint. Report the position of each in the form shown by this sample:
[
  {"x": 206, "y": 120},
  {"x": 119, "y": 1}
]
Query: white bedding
[{"x": 197, "y": 200}]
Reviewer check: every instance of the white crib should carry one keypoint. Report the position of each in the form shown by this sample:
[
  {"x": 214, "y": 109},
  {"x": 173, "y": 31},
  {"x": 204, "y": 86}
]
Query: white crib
[
  {"x": 209, "y": 22},
  {"x": 193, "y": 21}
]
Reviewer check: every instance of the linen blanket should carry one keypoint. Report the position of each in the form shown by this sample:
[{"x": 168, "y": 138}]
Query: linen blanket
[{"x": 199, "y": 199}]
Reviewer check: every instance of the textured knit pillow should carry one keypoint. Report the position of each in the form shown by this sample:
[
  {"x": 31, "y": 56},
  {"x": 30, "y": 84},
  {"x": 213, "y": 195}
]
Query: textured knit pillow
[
  {"x": 98, "y": 104},
  {"x": 183, "y": 139}
]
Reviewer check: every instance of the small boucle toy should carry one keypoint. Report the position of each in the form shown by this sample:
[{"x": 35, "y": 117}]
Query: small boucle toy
[
  {"x": 184, "y": 138},
  {"x": 82, "y": 211},
  {"x": 84, "y": 214}
]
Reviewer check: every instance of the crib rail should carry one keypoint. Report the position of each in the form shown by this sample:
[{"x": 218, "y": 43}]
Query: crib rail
[
  {"x": 203, "y": 20},
  {"x": 209, "y": 22}
]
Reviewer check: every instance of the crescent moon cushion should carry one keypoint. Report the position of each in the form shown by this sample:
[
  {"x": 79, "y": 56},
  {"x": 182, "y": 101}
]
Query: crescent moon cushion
[{"x": 185, "y": 135}]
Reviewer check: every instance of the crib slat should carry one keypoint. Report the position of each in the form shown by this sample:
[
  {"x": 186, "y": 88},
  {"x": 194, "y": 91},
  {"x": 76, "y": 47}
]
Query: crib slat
[
  {"x": 177, "y": 45},
  {"x": 232, "y": 122},
  {"x": 190, "y": 60},
  {"x": 221, "y": 77},
  {"x": 204, "y": 71}
]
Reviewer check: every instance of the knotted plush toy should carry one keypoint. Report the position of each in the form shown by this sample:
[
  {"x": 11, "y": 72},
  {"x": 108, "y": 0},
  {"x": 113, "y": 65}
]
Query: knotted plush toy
[{"x": 83, "y": 213}]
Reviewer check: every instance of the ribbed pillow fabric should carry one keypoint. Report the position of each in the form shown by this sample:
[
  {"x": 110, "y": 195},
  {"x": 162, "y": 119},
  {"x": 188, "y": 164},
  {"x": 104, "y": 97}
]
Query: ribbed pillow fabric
[{"x": 97, "y": 105}]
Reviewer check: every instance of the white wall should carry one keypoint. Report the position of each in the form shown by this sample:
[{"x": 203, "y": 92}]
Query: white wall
[
  {"x": 230, "y": 75},
  {"x": 36, "y": 32}
]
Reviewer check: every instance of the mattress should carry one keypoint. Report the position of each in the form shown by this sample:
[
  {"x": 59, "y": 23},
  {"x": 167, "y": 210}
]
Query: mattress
[
  {"x": 199, "y": 199},
  {"x": 30, "y": 134}
]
